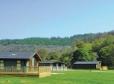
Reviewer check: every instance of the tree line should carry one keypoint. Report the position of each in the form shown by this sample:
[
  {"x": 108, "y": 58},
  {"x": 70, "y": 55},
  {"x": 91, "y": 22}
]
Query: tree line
[{"x": 54, "y": 40}]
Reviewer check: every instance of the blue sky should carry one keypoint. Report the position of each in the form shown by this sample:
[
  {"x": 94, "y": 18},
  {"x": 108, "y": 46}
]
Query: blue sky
[{"x": 47, "y": 18}]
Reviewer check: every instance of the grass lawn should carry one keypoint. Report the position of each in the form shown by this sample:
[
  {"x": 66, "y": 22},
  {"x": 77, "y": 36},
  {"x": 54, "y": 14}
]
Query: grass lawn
[{"x": 69, "y": 77}]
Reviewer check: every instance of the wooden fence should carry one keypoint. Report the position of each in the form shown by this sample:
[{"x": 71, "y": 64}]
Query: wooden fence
[
  {"x": 58, "y": 68},
  {"x": 44, "y": 71}
]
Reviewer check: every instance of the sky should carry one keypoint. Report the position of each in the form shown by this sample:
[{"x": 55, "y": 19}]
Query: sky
[{"x": 54, "y": 18}]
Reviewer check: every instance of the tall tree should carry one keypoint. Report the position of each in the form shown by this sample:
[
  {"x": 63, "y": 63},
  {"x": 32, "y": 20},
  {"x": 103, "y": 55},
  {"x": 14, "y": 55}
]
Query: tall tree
[
  {"x": 43, "y": 53},
  {"x": 106, "y": 55},
  {"x": 83, "y": 52}
]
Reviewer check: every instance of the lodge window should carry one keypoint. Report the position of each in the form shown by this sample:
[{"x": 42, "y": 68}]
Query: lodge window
[
  {"x": 1, "y": 64},
  {"x": 18, "y": 65}
]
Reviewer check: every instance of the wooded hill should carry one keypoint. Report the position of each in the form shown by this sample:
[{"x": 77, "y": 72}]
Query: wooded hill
[{"x": 55, "y": 40}]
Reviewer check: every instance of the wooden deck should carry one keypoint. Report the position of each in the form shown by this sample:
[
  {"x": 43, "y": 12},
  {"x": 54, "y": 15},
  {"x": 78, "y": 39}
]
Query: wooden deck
[
  {"x": 19, "y": 74},
  {"x": 41, "y": 71}
]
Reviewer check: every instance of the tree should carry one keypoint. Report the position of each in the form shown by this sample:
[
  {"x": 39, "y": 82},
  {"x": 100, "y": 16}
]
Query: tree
[
  {"x": 106, "y": 55},
  {"x": 54, "y": 55},
  {"x": 43, "y": 53},
  {"x": 104, "y": 48},
  {"x": 83, "y": 52},
  {"x": 66, "y": 56}
]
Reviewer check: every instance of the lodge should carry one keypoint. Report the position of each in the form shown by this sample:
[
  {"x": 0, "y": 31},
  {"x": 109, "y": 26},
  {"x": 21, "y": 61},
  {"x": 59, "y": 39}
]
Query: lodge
[
  {"x": 22, "y": 63},
  {"x": 54, "y": 64},
  {"x": 86, "y": 65}
]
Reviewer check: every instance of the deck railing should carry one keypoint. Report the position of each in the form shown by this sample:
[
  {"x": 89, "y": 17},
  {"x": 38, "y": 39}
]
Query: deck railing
[{"x": 39, "y": 69}]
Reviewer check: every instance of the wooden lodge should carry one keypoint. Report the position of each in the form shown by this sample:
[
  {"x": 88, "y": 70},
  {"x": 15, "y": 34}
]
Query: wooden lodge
[
  {"x": 86, "y": 65},
  {"x": 22, "y": 63},
  {"x": 54, "y": 64}
]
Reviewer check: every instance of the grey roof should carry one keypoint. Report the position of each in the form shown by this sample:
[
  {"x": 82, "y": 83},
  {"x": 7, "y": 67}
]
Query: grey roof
[
  {"x": 88, "y": 62},
  {"x": 16, "y": 55}
]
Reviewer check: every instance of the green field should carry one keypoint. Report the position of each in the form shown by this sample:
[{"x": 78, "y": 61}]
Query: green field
[{"x": 69, "y": 77}]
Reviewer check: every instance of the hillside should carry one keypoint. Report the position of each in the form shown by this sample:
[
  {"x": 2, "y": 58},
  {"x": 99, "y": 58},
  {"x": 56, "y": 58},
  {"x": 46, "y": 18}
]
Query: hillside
[
  {"x": 55, "y": 40},
  {"x": 54, "y": 43}
]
